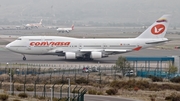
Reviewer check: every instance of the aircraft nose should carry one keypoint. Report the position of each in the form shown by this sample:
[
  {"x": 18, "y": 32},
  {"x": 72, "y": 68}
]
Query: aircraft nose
[{"x": 7, "y": 46}]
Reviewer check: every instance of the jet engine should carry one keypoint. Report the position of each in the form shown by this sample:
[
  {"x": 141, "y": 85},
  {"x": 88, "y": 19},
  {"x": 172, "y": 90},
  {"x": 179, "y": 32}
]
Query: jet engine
[
  {"x": 70, "y": 55},
  {"x": 96, "y": 55}
]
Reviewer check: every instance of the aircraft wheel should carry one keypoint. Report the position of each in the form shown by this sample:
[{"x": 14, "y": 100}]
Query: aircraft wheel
[
  {"x": 79, "y": 58},
  {"x": 89, "y": 59},
  {"x": 24, "y": 58}
]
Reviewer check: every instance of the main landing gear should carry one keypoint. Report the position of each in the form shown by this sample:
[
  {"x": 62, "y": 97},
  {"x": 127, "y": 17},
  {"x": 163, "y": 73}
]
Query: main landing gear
[
  {"x": 84, "y": 58},
  {"x": 24, "y": 58}
]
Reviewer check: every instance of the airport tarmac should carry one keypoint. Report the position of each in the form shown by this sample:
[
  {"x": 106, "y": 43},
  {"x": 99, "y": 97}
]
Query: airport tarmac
[{"x": 8, "y": 56}]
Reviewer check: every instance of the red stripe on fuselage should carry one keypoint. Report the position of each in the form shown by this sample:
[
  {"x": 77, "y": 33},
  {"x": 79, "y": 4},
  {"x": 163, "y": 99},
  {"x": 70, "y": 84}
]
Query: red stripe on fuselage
[{"x": 137, "y": 48}]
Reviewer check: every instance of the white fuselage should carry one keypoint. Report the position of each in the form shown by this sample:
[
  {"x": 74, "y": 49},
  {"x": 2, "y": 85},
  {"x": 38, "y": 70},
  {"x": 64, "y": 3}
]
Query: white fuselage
[{"x": 53, "y": 45}]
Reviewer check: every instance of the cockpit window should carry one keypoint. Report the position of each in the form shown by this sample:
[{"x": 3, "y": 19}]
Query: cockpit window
[{"x": 19, "y": 39}]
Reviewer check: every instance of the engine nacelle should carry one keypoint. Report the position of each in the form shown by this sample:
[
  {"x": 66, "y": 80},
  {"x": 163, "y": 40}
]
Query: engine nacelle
[
  {"x": 96, "y": 55},
  {"x": 70, "y": 55}
]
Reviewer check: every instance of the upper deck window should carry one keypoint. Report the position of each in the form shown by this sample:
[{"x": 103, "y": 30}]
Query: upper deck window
[
  {"x": 34, "y": 39},
  {"x": 48, "y": 39}
]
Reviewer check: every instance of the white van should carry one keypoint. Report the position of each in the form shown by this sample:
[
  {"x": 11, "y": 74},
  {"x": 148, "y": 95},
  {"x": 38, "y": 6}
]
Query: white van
[{"x": 129, "y": 73}]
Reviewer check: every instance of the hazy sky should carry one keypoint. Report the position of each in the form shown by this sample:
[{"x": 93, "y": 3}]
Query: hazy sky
[{"x": 122, "y": 11}]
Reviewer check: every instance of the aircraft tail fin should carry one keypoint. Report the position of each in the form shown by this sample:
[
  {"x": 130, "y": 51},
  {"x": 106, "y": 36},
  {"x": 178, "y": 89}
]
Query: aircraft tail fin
[
  {"x": 40, "y": 22},
  {"x": 157, "y": 29},
  {"x": 72, "y": 27}
]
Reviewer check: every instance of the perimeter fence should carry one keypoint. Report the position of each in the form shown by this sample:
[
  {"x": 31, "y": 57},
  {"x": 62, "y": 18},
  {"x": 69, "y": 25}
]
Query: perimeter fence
[
  {"x": 60, "y": 70},
  {"x": 44, "y": 79}
]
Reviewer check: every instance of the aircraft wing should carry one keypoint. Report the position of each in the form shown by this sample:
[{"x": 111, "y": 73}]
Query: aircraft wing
[
  {"x": 85, "y": 51},
  {"x": 91, "y": 50},
  {"x": 111, "y": 50},
  {"x": 117, "y": 50}
]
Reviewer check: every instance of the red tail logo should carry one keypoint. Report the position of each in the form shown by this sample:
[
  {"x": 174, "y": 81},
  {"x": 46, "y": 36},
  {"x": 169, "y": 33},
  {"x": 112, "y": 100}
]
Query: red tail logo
[{"x": 158, "y": 29}]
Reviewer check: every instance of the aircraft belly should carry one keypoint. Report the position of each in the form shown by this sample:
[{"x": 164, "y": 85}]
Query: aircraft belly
[{"x": 31, "y": 50}]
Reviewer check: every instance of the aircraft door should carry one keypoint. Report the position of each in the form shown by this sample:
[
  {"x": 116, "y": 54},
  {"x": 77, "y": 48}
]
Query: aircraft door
[
  {"x": 80, "y": 46},
  {"x": 104, "y": 46},
  {"x": 28, "y": 48}
]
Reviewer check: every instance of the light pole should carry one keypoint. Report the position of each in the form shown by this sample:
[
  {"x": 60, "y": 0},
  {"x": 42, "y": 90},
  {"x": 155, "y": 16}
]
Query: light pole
[
  {"x": 10, "y": 78},
  {"x": 54, "y": 70},
  {"x": 69, "y": 89},
  {"x": 51, "y": 93},
  {"x": 17, "y": 71}
]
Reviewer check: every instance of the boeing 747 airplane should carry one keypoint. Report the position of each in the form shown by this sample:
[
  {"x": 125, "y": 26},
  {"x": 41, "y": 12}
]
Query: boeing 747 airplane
[{"x": 88, "y": 49}]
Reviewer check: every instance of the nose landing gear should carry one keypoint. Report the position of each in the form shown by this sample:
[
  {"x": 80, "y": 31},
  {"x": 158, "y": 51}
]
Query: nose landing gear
[{"x": 24, "y": 58}]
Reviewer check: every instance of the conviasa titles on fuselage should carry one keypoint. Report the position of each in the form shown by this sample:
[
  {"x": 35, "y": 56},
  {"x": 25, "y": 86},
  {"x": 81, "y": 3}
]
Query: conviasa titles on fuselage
[{"x": 77, "y": 48}]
